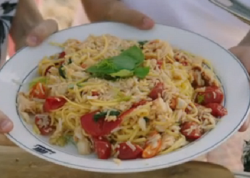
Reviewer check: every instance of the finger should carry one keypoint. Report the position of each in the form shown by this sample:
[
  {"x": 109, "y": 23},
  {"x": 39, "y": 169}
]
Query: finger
[
  {"x": 245, "y": 126},
  {"x": 242, "y": 53},
  {"x": 118, "y": 12},
  {"x": 41, "y": 32},
  {"x": 6, "y": 124},
  {"x": 237, "y": 51}
]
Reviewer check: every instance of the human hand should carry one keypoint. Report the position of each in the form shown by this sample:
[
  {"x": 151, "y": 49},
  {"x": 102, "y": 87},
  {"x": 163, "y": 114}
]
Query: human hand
[
  {"x": 40, "y": 32},
  {"x": 116, "y": 11},
  {"x": 34, "y": 38},
  {"x": 243, "y": 54}
]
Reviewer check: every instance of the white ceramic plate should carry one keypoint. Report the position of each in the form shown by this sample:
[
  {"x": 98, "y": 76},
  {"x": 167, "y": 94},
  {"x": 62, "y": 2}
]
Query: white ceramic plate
[{"x": 22, "y": 67}]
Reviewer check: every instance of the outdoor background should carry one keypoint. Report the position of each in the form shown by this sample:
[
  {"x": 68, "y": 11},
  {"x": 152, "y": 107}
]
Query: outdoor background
[{"x": 66, "y": 12}]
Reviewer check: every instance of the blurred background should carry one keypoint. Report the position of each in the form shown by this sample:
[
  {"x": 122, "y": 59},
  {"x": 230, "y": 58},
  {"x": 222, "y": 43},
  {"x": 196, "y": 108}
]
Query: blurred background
[{"x": 66, "y": 12}]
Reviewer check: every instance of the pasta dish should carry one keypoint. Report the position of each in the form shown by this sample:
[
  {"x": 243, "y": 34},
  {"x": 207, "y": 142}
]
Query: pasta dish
[{"x": 122, "y": 98}]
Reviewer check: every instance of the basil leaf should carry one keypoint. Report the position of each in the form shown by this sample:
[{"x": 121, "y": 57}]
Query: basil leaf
[
  {"x": 123, "y": 73},
  {"x": 121, "y": 66},
  {"x": 141, "y": 72}
]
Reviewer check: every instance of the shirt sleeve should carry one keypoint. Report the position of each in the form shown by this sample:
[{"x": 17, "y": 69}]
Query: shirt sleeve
[{"x": 7, "y": 12}]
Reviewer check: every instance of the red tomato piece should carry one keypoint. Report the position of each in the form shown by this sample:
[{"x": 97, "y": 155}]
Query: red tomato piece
[
  {"x": 160, "y": 63},
  {"x": 142, "y": 102},
  {"x": 38, "y": 91},
  {"x": 47, "y": 70},
  {"x": 156, "y": 91},
  {"x": 43, "y": 124},
  {"x": 100, "y": 127},
  {"x": 184, "y": 63},
  {"x": 152, "y": 149},
  {"x": 53, "y": 103},
  {"x": 191, "y": 130},
  {"x": 210, "y": 95},
  {"x": 84, "y": 66},
  {"x": 126, "y": 152},
  {"x": 61, "y": 55},
  {"x": 217, "y": 109},
  {"x": 102, "y": 147},
  {"x": 95, "y": 93}
]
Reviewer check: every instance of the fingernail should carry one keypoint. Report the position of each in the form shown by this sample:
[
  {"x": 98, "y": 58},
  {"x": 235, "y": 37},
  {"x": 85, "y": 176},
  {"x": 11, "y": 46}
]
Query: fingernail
[
  {"x": 5, "y": 125},
  {"x": 32, "y": 40},
  {"x": 147, "y": 23}
]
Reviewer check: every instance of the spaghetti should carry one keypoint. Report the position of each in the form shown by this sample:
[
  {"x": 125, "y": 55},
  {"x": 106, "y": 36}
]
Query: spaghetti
[{"x": 122, "y": 98}]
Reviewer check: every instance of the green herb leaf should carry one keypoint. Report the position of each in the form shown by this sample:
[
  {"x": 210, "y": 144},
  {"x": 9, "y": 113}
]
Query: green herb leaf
[
  {"x": 146, "y": 119},
  {"x": 70, "y": 61},
  {"x": 121, "y": 66},
  {"x": 141, "y": 72},
  {"x": 200, "y": 99},
  {"x": 70, "y": 139},
  {"x": 61, "y": 71},
  {"x": 37, "y": 80},
  {"x": 123, "y": 73},
  {"x": 102, "y": 115},
  {"x": 141, "y": 43}
]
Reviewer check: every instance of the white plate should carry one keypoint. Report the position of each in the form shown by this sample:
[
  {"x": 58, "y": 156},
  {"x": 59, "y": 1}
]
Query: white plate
[{"x": 22, "y": 67}]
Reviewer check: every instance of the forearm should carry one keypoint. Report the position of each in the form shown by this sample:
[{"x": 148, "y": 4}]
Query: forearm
[
  {"x": 101, "y": 10},
  {"x": 246, "y": 40},
  {"x": 27, "y": 16}
]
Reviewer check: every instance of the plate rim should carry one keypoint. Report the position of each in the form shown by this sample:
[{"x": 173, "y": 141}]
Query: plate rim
[{"x": 146, "y": 169}]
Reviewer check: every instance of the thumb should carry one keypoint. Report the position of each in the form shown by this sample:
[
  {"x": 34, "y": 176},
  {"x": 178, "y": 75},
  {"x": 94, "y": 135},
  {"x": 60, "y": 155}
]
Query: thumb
[
  {"x": 42, "y": 31},
  {"x": 118, "y": 12},
  {"x": 245, "y": 126},
  {"x": 5, "y": 123}
]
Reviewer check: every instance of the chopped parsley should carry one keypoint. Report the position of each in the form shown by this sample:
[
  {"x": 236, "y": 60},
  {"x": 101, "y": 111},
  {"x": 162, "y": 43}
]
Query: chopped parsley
[{"x": 200, "y": 99}]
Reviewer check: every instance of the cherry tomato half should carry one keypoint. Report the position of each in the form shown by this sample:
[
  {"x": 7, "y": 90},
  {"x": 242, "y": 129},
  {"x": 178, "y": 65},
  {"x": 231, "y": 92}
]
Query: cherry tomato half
[
  {"x": 217, "y": 109},
  {"x": 99, "y": 127},
  {"x": 126, "y": 152},
  {"x": 102, "y": 147},
  {"x": 191, "y": 130},
  {"x": 61, "y": 55},
  {"x": 53, "y": 103},
  {"x": 210, "y": 95},
  {"x": 43, "y": 124},
  {"x": 142, "y": 102},
  {"x": 102, "y": 127},
  {"x": 152, "y": 149},
  {"x": 38, "y": 91},
  {"x": 156, "y": 91}
]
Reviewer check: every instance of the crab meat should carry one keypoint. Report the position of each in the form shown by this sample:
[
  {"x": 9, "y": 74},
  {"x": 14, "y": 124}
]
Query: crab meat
[
  {"x": 181, "y": 104},
  {"x": 83, "y": 147},
  {"x": 160, "y": 105},
  {"x": 167, "y": 141},
  {"x": 27, "y": 105}
]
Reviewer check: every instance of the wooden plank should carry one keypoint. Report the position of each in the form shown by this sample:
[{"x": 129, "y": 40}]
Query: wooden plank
[{"x": 16, "y": 163}]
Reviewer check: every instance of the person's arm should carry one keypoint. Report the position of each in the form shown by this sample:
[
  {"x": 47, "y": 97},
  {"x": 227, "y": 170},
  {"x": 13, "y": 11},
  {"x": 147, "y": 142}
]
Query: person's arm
[
  {"x": 115, "y": 10},
  {"x": 246, "y": 40}
]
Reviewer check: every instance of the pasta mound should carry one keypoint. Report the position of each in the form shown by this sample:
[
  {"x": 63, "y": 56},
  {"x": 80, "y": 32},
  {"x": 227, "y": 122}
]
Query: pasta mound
[{"x": 122, "y": 98}]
